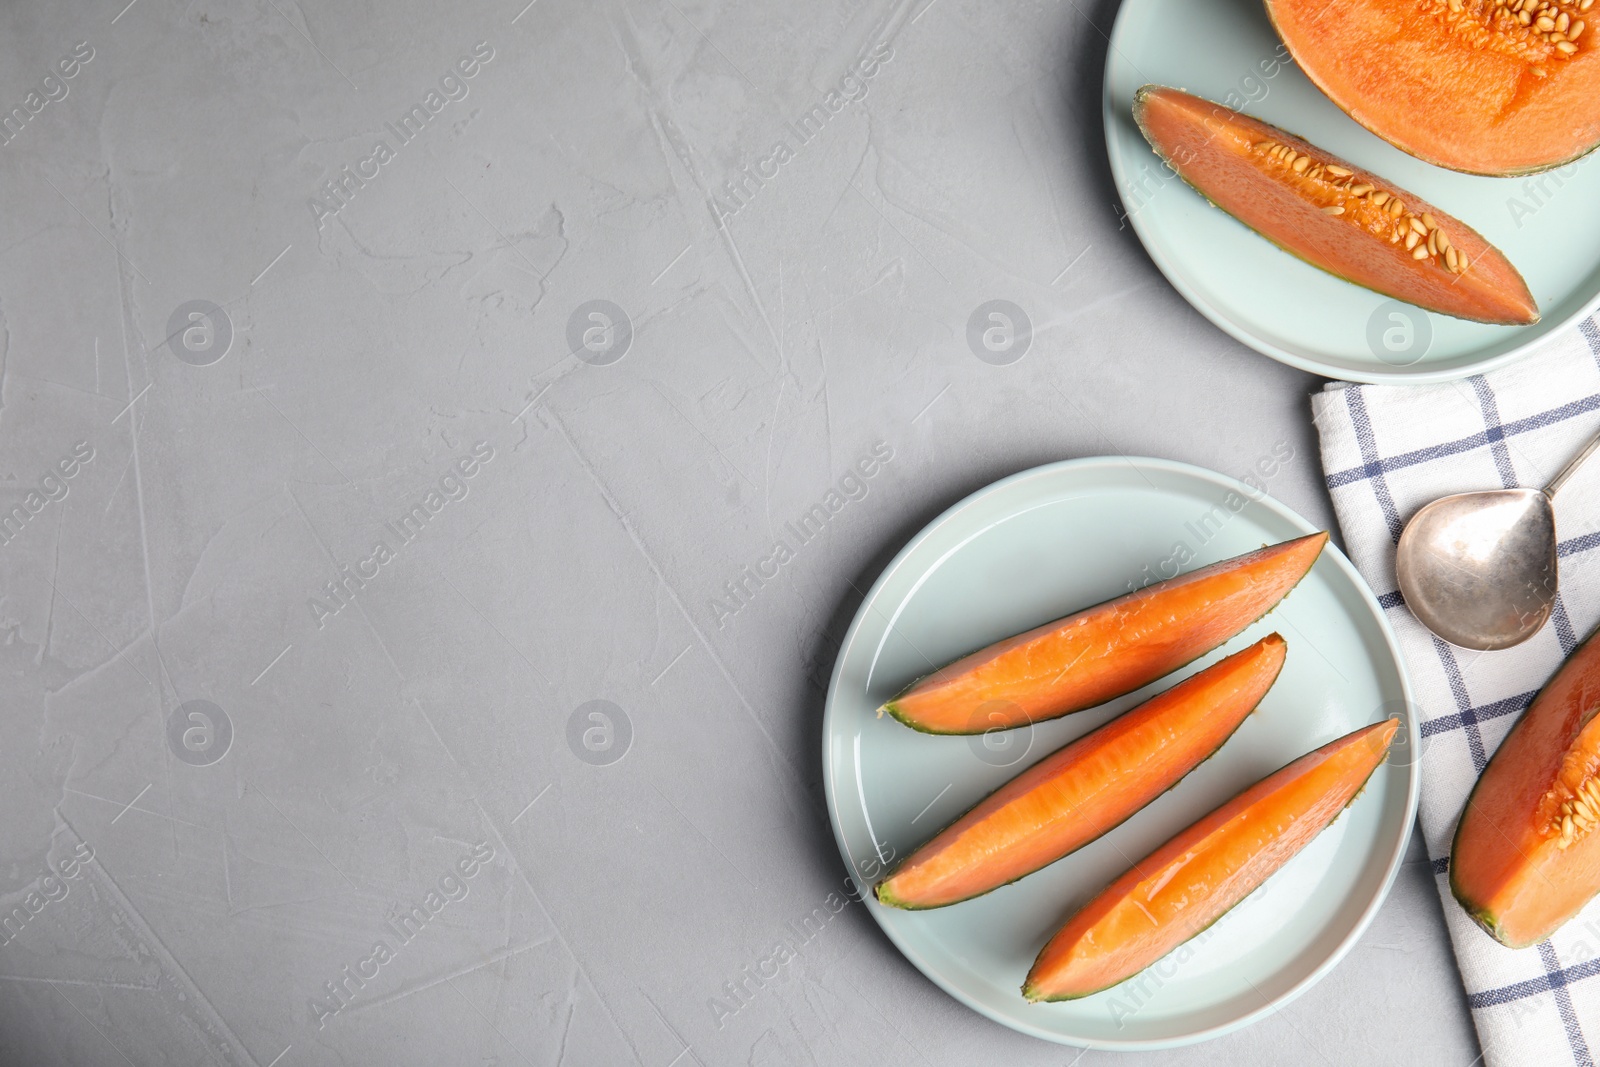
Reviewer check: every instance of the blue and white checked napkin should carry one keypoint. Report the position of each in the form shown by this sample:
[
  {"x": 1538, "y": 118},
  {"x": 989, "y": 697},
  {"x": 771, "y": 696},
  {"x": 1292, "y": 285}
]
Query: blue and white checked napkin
[{"x": 1386, "y": 451}]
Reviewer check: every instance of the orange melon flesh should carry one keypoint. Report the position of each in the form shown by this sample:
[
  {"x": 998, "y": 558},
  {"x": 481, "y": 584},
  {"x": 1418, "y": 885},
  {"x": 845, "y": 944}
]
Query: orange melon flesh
[
  {"x": 1508, "y": 866},
  {"x": 1344, "y": 223},
  {"x": 1472, "y": 90},
  {"x": 1088, "y": 787},
  {"x": 1105, "y": 651},
  {"x": 1193, "y": 880}
]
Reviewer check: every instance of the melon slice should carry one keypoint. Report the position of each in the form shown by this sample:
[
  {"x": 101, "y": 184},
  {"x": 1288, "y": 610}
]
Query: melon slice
[
  {"x": 1190, "y": 882},
  {"x": 1526, "y": 855},
  {"x": 1088, "y": 787},
  {"x": 1105, "y": 651},
  {"x": 1332, "y": 214},
  {"x": 1485, "y": 86}
]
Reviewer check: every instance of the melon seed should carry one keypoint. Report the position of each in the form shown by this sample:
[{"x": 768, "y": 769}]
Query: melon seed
[
  {"x": 1566, "y": 48},
  {"x": 1333, "y": 210},
  {"x": 1433, "y": 243},
  {"x": 1380, "y": 197},
  {"x": 1545, "y": 24},
  {"x": 1301, "y": 163},
  {"x": 1397, "y": 207},
  {"x": 1338, "y": 171},
  {"x": 1444, "y": 240},
  {"x": 1577, "y": 29},
  {"x": 1420, "y": 253},
  {"x": 1419, "y": 226},
  {"x": 1360, "y": 190},
  {"x": 1450, "y": 258},
  {"x": 1411, "y": 240}
]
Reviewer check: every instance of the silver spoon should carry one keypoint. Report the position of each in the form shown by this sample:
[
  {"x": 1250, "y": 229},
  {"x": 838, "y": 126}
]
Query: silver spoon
[{"x": 1479, "y": 569}]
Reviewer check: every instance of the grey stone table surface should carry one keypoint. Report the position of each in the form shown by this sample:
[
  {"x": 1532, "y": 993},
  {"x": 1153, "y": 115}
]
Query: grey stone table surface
[{"x": 333, "y": 502}]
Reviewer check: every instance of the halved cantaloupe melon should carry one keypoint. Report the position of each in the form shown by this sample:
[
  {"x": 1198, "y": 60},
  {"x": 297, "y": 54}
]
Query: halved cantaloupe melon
[
  {"x": 1332, "y": 214},
  {"x": 1088, "y": 787},
  {"x": 1495, "y": 87},
  {"x": 1190, "y": 882},
  {"x": 1107, "y": 650},
  {"x": 1526, "y": 855}
]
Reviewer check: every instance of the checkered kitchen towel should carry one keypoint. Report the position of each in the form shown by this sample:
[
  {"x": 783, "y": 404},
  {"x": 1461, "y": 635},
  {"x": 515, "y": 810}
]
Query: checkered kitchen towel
[{"x": 1386, "y": 451}]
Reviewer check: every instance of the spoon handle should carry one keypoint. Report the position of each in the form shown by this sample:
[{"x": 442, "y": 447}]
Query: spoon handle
[{"x": 1566, "y": 472}]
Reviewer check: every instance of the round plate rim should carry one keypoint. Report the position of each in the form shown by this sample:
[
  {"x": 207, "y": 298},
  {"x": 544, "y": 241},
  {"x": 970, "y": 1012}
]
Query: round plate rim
[
  {"x": 1397, "y": 848},
  {"x": 1179, "y": 281}
]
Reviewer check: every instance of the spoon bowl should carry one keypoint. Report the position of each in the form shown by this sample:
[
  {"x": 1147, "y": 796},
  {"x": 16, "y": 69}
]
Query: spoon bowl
[{"x": 1479, "y": 569}]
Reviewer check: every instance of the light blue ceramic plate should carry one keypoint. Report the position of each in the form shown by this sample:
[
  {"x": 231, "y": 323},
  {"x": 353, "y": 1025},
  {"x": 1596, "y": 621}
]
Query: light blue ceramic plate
[
  {"x": 1226, "y": 50},
  {"x": 1027, "y": 550}
]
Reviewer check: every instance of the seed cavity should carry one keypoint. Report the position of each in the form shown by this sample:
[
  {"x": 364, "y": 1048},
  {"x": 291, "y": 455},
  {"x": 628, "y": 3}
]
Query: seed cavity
[
  {"x": 1579, "y": 814},
  {"x": 1531, "y": 31},
  {"x": 1378, "y": 211}
]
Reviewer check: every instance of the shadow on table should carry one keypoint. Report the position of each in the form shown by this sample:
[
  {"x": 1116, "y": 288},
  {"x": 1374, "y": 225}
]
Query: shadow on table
[{"x": 1082, "y": 95}]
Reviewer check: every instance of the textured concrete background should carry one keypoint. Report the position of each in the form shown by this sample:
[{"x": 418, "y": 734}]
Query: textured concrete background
[{"x": 245, "y": 745}]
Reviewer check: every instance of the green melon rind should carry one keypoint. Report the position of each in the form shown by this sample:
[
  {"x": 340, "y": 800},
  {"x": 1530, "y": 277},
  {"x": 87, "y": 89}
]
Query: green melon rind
[
  {"x": 1031, "y": 992},
  {"x": 1513, "y": 173},
  {"x": 887, "y": 897},
  {"x": 1176, "y": 169},
  {"x": 1478, "y": 913},
  {"x": 894, "y": 710}
]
